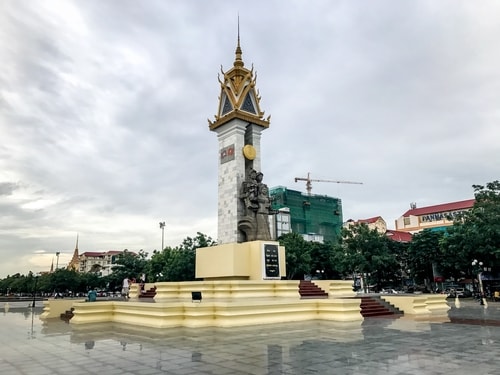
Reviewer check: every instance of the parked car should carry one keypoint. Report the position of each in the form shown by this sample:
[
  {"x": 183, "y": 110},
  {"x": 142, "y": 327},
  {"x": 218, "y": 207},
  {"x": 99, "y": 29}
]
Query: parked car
[
  {"x": 467, "y": 293},
  {"x": 389, "y": 291},
  {"x": 458, "y": 292}
]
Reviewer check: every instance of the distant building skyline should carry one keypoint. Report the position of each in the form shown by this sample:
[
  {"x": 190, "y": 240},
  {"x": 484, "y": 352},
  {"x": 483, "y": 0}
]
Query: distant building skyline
[{"x": 435, "y": 217}]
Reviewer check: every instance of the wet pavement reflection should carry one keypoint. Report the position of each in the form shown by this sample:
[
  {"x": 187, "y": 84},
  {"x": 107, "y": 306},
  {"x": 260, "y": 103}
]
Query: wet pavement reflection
[{"x": 467, "y": 342}]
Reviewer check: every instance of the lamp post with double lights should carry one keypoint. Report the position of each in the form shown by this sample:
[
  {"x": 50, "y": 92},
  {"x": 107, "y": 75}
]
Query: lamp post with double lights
[{"x": 162, "y": 227}]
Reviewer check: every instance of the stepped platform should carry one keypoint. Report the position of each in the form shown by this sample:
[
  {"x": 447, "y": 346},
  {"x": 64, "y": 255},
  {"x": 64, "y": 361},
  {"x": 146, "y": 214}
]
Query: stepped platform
[
  {"x": 374, "y": 306},
  {"x": 221, "y": 304},
  {"x": 307, "y": 289},
  {"x": 241, "y": 303}
]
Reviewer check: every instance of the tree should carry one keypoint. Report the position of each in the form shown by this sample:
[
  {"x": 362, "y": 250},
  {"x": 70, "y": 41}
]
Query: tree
[
  {"x": 129, "y": 264},
  {"x": 183, "y": 259},
  {"x": 158, "y": 264},
  {"x": 476, "y": 233},
  {"x": 298, "y": 255},
  {"x": 365, "y": 251},
  {"x": 16, "y": 283},
  {"x": 323, "y": 261},
  {"x": 482, "y": 223},
  {"x": 63, "y": 280},
  {"x": 44, "y": 283},
  {"x": 424, "y": 255},
  {"x": 400, "y": 251},
  {"x": 178, "y": 264},
  {"x": 88, "y": 281}
]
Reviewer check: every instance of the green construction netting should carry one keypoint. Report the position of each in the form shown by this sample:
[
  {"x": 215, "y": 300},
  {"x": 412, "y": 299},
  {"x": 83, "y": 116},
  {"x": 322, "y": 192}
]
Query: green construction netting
[{"x": 319, "y": 214}]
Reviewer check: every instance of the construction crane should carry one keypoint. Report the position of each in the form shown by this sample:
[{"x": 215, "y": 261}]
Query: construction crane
[{"x": 308, "y": 180}]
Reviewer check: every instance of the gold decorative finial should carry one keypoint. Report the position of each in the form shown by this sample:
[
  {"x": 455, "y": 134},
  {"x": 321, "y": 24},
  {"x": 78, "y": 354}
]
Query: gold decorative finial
[
  {"x": 238, "y": 62},
  {"x": 239, "y": 98}
]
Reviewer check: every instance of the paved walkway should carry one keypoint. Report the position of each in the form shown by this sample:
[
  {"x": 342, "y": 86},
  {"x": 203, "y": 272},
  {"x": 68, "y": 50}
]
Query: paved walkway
[{"x": 378, "y": 346}]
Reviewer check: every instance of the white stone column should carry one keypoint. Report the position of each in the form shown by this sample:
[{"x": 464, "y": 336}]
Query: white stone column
[
  {"x": 256, "y": 132},
  {"x": 231, "y": 174}
]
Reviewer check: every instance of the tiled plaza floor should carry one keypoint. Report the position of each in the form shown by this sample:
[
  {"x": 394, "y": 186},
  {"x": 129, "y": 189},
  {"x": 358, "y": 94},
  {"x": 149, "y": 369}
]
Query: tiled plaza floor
[{"x": 378, "y": 346}]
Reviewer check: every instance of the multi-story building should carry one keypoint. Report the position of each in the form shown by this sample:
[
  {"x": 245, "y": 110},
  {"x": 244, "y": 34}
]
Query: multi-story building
[
  {"x": 435, "y": 217},
  {"x": 98, "y": 261},
  {"x": 373, "y": 223},
  {"x": 380, "y": 225},
  {"x": 316, "y": 217},
  {"x": 281, "y": 224}
]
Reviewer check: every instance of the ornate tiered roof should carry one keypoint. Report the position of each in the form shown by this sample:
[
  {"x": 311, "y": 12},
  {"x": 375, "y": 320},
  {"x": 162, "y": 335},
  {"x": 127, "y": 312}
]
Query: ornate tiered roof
[{"x": 239, "y": 97}]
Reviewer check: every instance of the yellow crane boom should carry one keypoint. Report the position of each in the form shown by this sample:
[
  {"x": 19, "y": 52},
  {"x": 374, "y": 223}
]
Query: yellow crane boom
[{"x": 308, "y": 181}]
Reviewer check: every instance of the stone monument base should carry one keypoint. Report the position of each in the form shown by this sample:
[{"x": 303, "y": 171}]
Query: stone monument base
[
  {"x": 255, "y": 260},
  {"x": 223, "y": 303},
  {"x": 241, "y": 303}
]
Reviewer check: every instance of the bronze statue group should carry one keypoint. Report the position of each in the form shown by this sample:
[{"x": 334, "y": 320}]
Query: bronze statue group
[{"x": 257, "y": 205}]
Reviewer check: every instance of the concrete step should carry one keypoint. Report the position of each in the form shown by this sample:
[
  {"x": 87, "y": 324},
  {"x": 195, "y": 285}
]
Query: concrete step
[
  {"x": 307, "y": 289},
  {"x": 371, "y": 306},
  {"x": 150, "y": 293}
]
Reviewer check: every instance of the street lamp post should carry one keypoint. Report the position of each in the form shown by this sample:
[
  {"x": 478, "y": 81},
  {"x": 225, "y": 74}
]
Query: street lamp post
[
  {"x": 162, "y": 227},
  {"x": 57, "y": 259},
  {"x": 34, "y": 291},
  {"x": 478, "y": 266}
]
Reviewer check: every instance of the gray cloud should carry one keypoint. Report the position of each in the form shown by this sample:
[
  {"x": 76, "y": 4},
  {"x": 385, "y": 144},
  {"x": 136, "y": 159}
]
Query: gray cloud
[
  {"x": 103, "y": 109},
  {"x": 7, "y": 188}
]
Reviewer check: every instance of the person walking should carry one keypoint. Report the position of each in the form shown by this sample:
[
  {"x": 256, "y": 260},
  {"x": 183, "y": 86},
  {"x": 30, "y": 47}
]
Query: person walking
[
  {"x": 142, "y": 282},
  {"x": 126, "y": 287}
]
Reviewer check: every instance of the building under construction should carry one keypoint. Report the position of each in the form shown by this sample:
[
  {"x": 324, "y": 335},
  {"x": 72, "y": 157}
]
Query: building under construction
[{"x": 316, "y": 217}]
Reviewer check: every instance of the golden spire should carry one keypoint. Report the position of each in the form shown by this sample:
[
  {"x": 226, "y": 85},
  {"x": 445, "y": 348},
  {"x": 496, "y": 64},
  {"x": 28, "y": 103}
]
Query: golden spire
[
  {"x": 239, "y": 97},
  {"x": 238, "y": 61},
  {"x": 75, "y": 260}
]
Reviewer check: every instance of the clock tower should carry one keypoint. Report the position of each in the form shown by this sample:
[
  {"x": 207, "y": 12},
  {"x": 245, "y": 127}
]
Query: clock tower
[{"x": 238, "y": 123}]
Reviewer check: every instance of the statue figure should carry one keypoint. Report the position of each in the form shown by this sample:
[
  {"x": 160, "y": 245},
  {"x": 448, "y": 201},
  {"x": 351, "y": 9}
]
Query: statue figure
[
  {"x": 255, "y": 197},
  {"x": 263, "y": 212},
  {"x": 249, "y": 192}
]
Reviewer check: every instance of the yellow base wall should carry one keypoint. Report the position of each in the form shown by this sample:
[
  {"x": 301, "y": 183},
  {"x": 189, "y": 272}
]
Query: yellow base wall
[
  {"x": 216, "y": 314},
  {"x": 53, "y": 308},
  {"x": 419, "y": 304},
  {"x": 224, "y": 304},
  {"x": 227, "y": 289},
  {"x": 336, "y": 288},
  {"x": 230, "y": 303},
  {"x": 235, "y": 261}
]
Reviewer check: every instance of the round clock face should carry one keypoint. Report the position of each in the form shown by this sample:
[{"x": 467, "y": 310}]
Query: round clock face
[{"x": 249, "y": 152}]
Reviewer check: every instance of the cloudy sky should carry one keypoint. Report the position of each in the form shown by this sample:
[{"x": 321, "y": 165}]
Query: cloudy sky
[{"x": 104, "y": 107}]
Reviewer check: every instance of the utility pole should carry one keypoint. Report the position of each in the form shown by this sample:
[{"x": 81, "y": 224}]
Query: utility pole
[{"x": 162, "y": 227}]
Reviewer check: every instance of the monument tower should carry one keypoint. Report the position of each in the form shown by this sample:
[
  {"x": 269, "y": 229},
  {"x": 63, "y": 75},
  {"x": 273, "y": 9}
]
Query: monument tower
[
  {"x": 238, "y": 123},
  {"x": 245, "y": 249}
]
